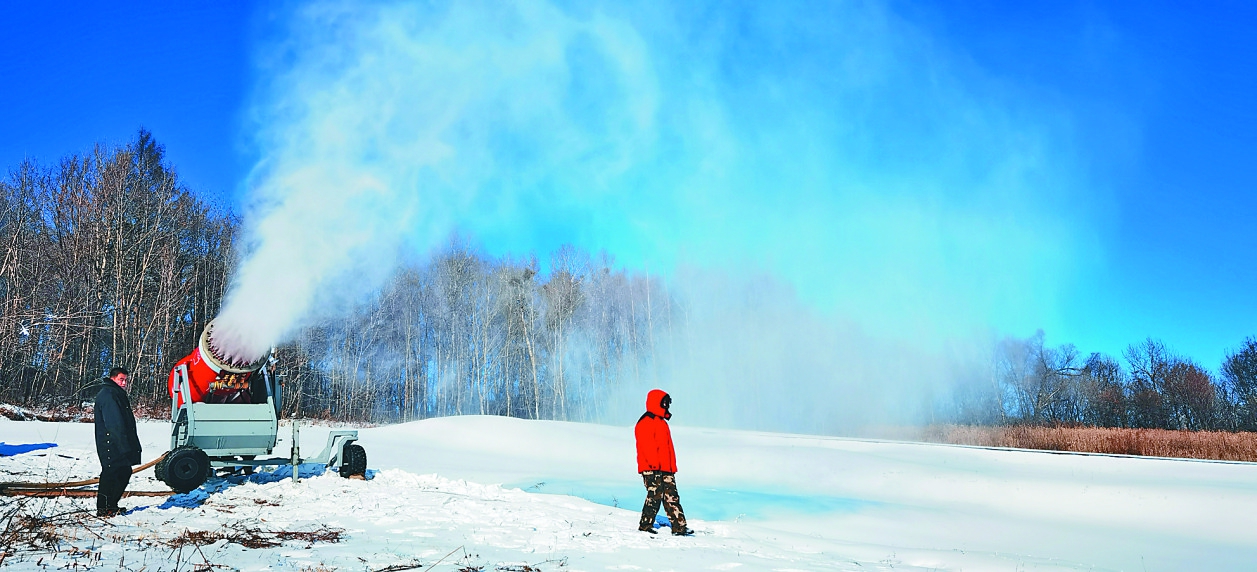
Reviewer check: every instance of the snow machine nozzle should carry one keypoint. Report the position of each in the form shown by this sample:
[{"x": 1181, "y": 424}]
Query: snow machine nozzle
[
  {"x": 214, "y": 375},
  {"x": 215, "y": 355}
]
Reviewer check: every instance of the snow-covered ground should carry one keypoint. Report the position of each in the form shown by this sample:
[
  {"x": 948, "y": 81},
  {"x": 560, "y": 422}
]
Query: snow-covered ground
[{"x": 472, "y": 488}]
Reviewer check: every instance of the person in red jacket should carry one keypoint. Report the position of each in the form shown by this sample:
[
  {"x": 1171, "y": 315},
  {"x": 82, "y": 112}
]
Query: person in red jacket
[{"x": 657, "y": 463}]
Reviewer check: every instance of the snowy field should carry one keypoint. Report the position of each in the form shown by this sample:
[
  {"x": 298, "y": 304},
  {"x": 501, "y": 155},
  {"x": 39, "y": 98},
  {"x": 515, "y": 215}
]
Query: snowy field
[{"x": 492, "y": 493}]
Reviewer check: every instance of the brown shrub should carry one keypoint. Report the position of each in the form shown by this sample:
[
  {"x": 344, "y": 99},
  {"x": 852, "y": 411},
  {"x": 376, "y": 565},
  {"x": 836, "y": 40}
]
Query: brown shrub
[{"x": 1217, "y": 445}]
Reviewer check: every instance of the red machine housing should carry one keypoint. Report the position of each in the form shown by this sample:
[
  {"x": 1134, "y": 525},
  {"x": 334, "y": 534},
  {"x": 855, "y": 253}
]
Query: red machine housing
[{"x": 212, "y": 378}]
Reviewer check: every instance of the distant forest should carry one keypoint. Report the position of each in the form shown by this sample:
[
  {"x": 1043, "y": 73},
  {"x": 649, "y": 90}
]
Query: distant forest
[
  {"x": 1033, "y": 383},
  {"x": 108, "y": 259}
]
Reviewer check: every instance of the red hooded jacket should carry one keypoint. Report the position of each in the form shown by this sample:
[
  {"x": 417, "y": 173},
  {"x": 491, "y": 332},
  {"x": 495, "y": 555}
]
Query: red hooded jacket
[{"x": 654, "y": 440}]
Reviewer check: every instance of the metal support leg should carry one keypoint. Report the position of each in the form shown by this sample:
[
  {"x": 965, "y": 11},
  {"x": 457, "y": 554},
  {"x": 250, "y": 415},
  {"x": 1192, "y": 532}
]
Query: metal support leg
[{"x": 296, "y": 451}]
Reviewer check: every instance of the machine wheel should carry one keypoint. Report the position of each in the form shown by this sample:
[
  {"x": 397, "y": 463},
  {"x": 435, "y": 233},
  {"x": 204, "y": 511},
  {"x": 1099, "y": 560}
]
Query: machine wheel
[
  {"x": 160, "y": 469},
  {"x": 354, "y": 461},
  {"x": 186, "y": 468}
]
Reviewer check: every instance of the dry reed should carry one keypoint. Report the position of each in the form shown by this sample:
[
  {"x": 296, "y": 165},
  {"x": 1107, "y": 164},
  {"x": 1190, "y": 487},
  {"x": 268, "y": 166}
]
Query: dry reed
[{"x": 1217, "y": 445}]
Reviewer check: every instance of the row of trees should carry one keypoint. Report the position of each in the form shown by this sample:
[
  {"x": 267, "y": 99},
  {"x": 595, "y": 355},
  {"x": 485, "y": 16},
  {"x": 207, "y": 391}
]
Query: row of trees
[
  {"x": 1034, "y": 383},
  {"x": 105, "y": 259},
  {"x": 468, "y": 333}
]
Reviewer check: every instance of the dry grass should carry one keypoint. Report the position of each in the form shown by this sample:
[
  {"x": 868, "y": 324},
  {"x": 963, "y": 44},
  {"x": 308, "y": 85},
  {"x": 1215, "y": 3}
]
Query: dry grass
[
  {"x": 32, "y": 529},
  {"x": 249, "y": 537},
  {"x": 1218, "y": 445}
]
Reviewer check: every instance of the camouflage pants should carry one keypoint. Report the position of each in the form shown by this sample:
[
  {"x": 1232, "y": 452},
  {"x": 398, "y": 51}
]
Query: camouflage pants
[{"x": 661, "y": 487}]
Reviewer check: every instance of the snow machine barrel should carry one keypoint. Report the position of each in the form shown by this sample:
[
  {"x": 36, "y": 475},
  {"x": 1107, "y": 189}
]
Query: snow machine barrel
[{"x": 215, "y": 378}]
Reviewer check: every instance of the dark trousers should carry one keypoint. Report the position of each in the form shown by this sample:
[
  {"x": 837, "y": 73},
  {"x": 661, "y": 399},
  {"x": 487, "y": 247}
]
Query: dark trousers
[
  {"x": 113, "y": 482},
  {"x": 661, "y": 488}
]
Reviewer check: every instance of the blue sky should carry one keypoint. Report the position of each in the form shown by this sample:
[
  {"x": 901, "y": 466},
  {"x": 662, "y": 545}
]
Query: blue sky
[
  {"x": 80, "y": 73},
  {"x": 884, "y": 193},
  {"x": 1165, "y": 93}
]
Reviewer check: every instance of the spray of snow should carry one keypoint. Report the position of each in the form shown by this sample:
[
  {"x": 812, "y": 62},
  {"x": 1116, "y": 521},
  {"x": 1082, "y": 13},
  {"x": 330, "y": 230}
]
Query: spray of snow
[
  {"x": 903, "y": 204},
  {"x": 400, "y": 127}
]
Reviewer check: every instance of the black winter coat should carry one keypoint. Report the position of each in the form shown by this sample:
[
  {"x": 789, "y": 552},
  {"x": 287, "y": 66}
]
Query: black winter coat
[{"x": 116, "y": 440}]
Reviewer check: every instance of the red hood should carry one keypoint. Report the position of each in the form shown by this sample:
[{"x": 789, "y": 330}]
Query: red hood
[{"x": 654, "y": 403}]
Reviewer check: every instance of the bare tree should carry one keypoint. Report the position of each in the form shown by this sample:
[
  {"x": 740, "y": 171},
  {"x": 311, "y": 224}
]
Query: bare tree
[
  {"x": 1149, "y": 369},
  {"x": 563, "y": 297},
  {"x": 1239, "y": 374},
  {"x": 1190, "y": 396},
  {"x": 107, "y": 259},
  {"x": 1103, "y": 387}
]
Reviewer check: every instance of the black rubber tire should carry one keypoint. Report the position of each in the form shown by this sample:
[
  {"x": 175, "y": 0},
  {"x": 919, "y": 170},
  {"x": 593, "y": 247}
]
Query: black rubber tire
[
  {"x": 160, "y": 469},
  {"x": 354, "y": 461},
  {"x": 186, "y": 468}
]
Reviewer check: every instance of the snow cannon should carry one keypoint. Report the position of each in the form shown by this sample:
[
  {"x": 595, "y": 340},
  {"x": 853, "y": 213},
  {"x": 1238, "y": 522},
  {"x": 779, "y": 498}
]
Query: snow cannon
[
  {"x": 213, "y": 376},
  {"x": 225, "y": 414}
]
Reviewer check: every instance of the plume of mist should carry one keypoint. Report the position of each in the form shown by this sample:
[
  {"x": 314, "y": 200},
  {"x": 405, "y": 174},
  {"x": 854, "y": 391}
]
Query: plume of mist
[
  {"x": 386, "y": 127},
  {"x": 903, "y": 204},
  {"x": 746, "y": 352}
]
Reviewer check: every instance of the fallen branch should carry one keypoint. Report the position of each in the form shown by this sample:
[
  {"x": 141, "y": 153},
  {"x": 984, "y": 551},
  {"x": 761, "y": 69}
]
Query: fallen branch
[
  {"x": 76, "y": 493},
  {"x": 442, "y": 559},
  {"x": 399, "y": 567}
]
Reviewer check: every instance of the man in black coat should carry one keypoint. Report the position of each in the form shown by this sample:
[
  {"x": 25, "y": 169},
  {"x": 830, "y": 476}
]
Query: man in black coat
[{"x": 117, "y": 443}]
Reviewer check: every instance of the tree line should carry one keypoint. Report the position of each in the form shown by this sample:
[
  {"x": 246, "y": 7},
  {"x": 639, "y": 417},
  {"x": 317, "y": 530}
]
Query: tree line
[
  {"x": 467, "y": 333},
  {"x": 108, "y": 259},
  {"x": 1150, "y": 387}
]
